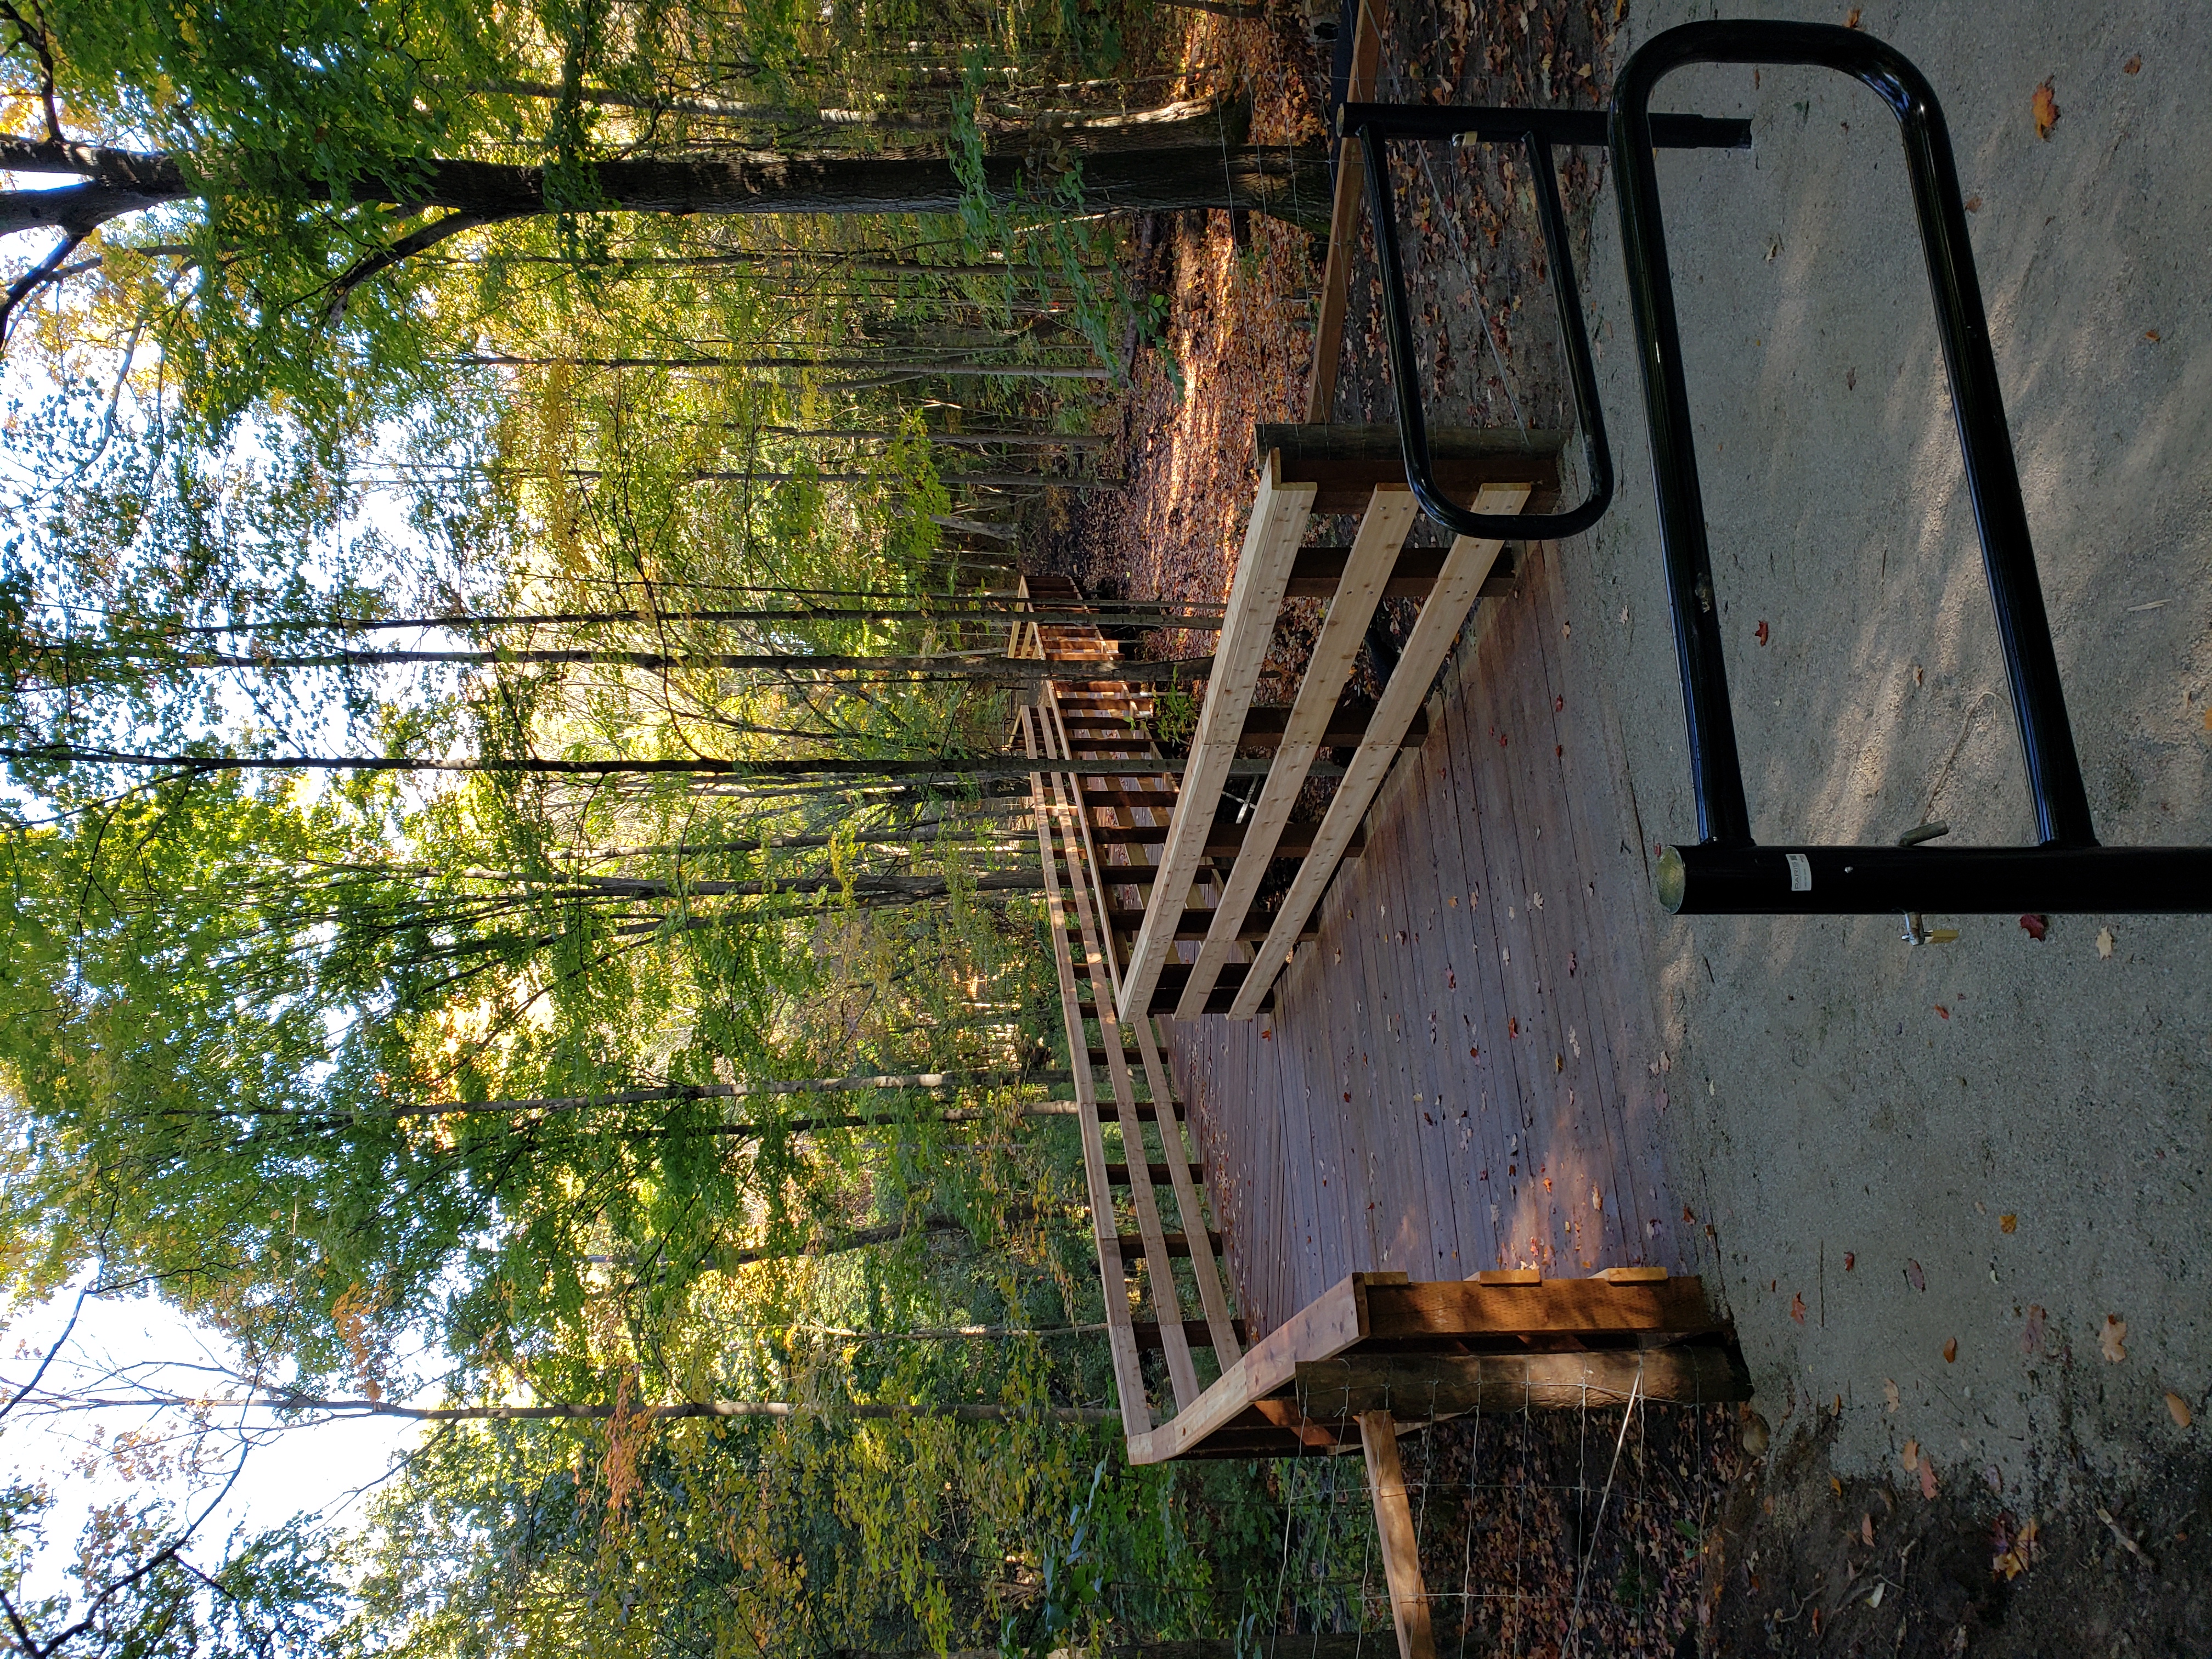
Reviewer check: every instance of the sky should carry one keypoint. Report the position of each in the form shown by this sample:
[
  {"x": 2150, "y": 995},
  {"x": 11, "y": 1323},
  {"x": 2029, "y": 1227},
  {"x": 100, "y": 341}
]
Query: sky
[{"x": 323, "y": 1469}]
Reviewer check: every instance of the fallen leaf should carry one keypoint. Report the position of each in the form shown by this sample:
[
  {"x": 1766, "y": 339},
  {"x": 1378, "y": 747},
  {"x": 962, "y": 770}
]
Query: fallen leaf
[
  {"x": 1880, "y": 1584},
  {"x": 1759, "y": 633},
  {"x": 2180, "y": 1407},
  {"x": 1973, "y": 204},
  {"x": 1942, "y": 1010},
  {"x": 1913, "y": 1276},
  {"x": 2113, "y": 1339},
  {"x": 1909, "y": 1456},
  {"x": 1951, "y": 1351},
  {"x": 2036, "y": 927},
  {"x": 1852, "y": 22},
  {"x": 1850, "y": 1260},
  {"x": 1866, "y": 1529},
  {"x": 1889, "y": 1390},
  {"x": 2007, "y": 1223},
  {"x": 2133, "y": 66},
  {"x": 2105, "y": 944},
  {"x": 1797, "y": 1307},
  {"x": 1928, "y": 1478},
  {"x": 2031, "y": 1339},
  {"x": 2151, "y": 334},
  {"x": 2046, "y": 112}
]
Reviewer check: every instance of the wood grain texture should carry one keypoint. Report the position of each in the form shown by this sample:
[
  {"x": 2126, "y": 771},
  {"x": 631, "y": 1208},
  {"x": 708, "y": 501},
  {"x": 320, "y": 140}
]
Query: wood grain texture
[
  {"x": 1530, "y": 1034},
  {"x": 1425, "y": 650},
  {"x": 1256, "y": 594},
  {"x": 1382, "y": 530},
  {"x": 1394, "y": 1527}
]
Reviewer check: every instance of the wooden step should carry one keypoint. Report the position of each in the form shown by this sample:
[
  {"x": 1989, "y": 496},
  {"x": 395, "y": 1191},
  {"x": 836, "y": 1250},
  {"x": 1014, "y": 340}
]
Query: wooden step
[
  {"x": 1118, "y": 1174},
  {"x": 1194, "y": 1332},
  {"x": 1347, "y": 726},
  {"x": 1318, "y": 570},
  {"x": 1133, "y": 1244}
]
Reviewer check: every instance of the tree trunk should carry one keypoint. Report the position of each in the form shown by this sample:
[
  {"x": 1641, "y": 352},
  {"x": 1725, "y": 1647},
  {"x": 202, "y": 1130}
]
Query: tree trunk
[
  {"x": 814, "y": 768},
  {"x": 990, "y": 668},
  {"x": 1290, "y": 184}
]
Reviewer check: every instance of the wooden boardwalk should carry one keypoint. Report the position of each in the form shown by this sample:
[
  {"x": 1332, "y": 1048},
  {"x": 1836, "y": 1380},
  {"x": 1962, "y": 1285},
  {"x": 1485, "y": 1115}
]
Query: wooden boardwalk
[{"x": 1464, "y": 1071}]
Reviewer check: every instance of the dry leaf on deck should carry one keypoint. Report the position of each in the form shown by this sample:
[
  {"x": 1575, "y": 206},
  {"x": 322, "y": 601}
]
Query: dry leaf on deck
[
  {"x": 1797, "y": 1307},
  {"x": 1889, "y": 1390},
  {"x": 2031, "y": 1339},
  {"x": 2133, "y": 66},
  {"x": 2105, "y": 944},
  {"x": 2180, "y": 1407},
  {"x": 2008, "y": 1222},
  {"x": 1928, "y": 1478},
  {"x": 2037, "y": 927},
  {"x": 1909, "y": 1456},
  {"x": 2113, "y": 1339},
  {"x": 2046, "y": 110},
  {"x": 1917, "y": 1279},
  {"x": 1951, "y": 1351},
  {"x": 1866, "y": 1530}
]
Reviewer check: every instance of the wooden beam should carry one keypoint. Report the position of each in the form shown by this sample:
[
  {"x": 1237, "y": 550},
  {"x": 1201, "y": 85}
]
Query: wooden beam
[
  {"x": 1402, "y": 1545},
  {"x": 1424, "y": 1387},
  {"x": 1382, "y": 530},
  {"x": 1159, "y": 1276},
  {"x": 1319, "y": 569},
  {"x": 1464, "y": 1313},
  {"x": 1343, "y": 463},
  {"x": 1343, "y": 224},
  {"x": 1256, "y": 594},
  {"x": 1425, "y": 648},
  {"x": 1113, "y": 1275}
]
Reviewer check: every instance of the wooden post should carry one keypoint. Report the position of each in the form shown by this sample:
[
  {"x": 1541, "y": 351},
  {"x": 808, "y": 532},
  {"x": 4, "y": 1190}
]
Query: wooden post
[{"x": 1394, "y": 1523}]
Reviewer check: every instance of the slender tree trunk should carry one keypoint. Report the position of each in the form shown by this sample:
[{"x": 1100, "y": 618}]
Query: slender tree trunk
[
  {"x": 573, "y": 1411},
  {"x": 965, "y": 667},
  {"x": 704, "y": 766}
]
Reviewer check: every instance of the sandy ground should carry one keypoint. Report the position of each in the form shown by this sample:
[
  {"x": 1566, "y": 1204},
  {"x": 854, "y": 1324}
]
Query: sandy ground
[{"x": 1958, "y": 1162}]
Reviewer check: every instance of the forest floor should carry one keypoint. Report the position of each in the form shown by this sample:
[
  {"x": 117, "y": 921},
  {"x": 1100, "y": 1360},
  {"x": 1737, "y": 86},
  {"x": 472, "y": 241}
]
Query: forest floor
[{"x": 2059, "y": 1524}]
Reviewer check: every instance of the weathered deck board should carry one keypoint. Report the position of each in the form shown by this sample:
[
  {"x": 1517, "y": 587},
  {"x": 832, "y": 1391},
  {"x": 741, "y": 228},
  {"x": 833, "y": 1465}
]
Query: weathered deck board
[{"x": 1560, "y": 1087}]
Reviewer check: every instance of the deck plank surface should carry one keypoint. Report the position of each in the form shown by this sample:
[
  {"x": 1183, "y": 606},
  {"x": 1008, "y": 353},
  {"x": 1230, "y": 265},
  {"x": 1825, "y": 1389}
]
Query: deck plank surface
[{"x": 1500, "y": 1056}]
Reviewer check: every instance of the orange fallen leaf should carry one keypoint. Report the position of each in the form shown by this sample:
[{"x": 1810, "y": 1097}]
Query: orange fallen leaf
[
  {"x": 1759, "y": 633},
  {"x": 1889, "y": 1391},
  {"x": 1942, "y": 1010},
  {"x": 2113, "y": 1339},
  {"x": 2036, "y": 927},
  {"x": 1928, "y": 1478},
  {"x": 1866, "y": 1530},
  {"x": 2151, "y": 334},
  {"x": 1951, "y": 1352},
  {"x": 1973, "y": 204},
  {"x": 1909, "y": 1456},
  {"x": 1852, "y": 22},
  {"x": 2046, "y": 112},
  {"x": 1797, "y": 1307},
  {"x": 2007, "y": 1223},
  {"x": 2179, "y": 1408},
  {"x": 2133, "y": 66}
]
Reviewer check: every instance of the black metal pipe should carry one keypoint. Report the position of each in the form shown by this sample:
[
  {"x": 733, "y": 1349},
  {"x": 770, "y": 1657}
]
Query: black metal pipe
[
  {"x": 2054, "y": 770},
  {"x": 1554, "y": 126},
  {"x": 1405, "y": 368},
  {"x": 1715, "y": 880}
]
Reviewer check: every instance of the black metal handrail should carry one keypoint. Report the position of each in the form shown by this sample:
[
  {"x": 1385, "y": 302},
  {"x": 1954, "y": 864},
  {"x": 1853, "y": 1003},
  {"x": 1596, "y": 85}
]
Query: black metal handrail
[
  {"x": 1535, "y": 131},
  {"x": 1726, "y": 873}
]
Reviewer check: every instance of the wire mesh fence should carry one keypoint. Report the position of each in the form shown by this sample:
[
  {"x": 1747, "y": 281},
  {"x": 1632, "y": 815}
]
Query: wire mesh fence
[{"x": 1549, "y": 1534}]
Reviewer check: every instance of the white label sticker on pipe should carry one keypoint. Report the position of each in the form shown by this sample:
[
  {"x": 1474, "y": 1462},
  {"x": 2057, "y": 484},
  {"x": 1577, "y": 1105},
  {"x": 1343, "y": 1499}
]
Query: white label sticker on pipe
[{"x": 1801, "y": 873}]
